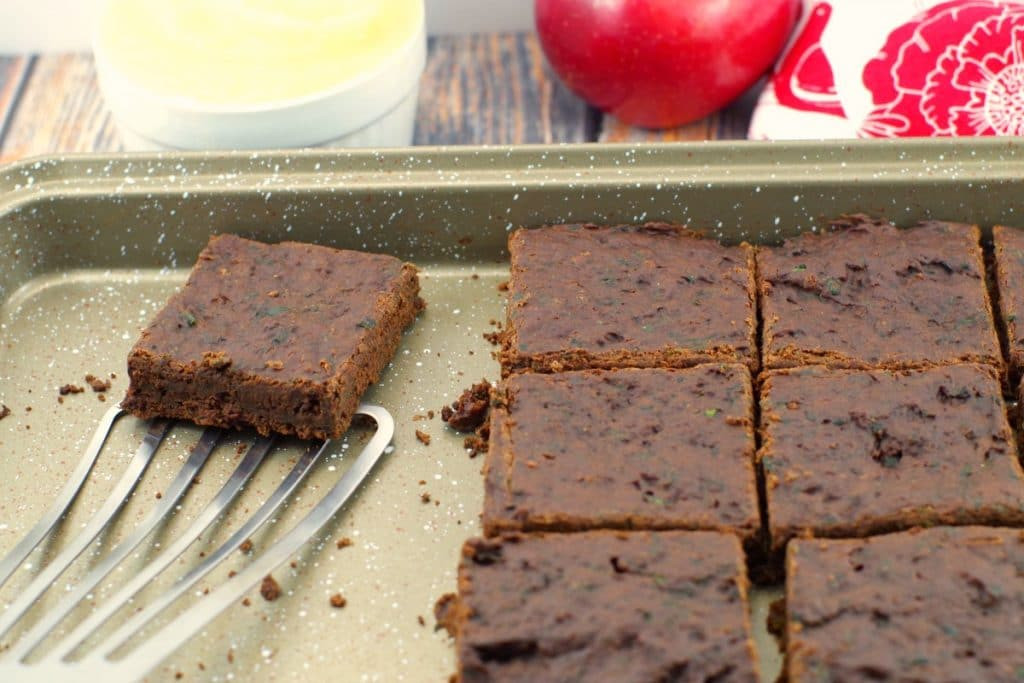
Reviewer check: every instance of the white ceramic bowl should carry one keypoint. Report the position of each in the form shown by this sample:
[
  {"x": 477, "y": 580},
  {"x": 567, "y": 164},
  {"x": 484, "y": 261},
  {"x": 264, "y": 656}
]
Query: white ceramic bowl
[{"x": 376, "y": 108}]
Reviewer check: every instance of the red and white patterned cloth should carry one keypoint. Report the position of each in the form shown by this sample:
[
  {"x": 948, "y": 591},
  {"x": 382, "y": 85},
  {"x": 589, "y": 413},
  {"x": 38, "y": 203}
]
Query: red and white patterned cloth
[{"x": 894, "y": 68}]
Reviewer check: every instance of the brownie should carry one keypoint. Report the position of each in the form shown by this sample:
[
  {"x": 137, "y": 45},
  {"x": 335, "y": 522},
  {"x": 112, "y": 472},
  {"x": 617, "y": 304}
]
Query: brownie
[
  {"x": 859, "y": 452},
  {"x": 943, "y": 604},
  {"x": 627, "y": 449},
  {"x": 283, "y": 338},
  {"x": 583, "y": 296},
  {"x": 1009, "y": 267},
  {"x": 603, "y": 606},
  {"x": 869, "y": 295}
]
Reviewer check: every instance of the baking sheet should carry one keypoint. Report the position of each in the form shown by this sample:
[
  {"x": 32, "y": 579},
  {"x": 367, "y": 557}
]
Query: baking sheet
[{"x": 91, "y": 247}]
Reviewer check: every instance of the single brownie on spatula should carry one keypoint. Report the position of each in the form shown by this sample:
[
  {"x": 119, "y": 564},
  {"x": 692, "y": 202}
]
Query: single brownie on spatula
[{"x": 283, "y": 338}]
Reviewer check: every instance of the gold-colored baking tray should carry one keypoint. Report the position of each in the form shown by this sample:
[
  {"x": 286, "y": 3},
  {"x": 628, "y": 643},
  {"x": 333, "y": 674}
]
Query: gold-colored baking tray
[{"x": 92, "y": 246}]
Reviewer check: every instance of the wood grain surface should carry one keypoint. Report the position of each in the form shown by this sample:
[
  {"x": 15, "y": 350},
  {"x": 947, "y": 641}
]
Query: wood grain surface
[
  {"x": 495, "y": 89},
  {"x": 730, "y": 123},
  {"x": 477, "y": 89},
  {"x": 13, "y": 72},
  {"x": 60, "y": 109}
]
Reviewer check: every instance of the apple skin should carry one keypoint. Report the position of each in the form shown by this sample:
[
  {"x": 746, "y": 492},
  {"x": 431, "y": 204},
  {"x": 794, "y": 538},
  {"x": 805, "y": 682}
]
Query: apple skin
[{"x": 662, "y": 63}]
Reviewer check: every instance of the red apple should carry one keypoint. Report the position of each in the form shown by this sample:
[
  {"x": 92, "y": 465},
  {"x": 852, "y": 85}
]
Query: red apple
[{"x": 662, "y": 63}]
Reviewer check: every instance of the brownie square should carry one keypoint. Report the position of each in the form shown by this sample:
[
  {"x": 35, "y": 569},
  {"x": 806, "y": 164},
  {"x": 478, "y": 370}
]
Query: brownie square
[
  {"x": 283, "y": 338},
  {"x": 943, "y": 604},
  {"x": 627, "y": 449},
  {"x": 1009, "y": 266},
  {"x": 869, "y": 295},
  {"x": 583, "y": 296},
  {"x": 605, "y": 606},
  {"x": 858, "y": 452}
]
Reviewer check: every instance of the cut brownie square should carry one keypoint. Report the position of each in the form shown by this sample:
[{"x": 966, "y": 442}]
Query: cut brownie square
[
  {"x": 943, "y": 604},
  {"x": 1009, "y": 254},
  {"x": 283, "y": 338},
  {"x": 858, "y": 452},
  {"x": 583, "y": 296},
  {"x": 628, "y": 449},
  {"x": 869, "y": 295},
  {"x": 603, "y": 606}
]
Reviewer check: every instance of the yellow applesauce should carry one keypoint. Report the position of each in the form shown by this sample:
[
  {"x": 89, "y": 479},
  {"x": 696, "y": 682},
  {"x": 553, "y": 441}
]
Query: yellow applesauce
[{"x": 250, "y": 52}]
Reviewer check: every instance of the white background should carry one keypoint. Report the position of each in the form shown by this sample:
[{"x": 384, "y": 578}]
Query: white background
[{"x": 66, "y": 25}]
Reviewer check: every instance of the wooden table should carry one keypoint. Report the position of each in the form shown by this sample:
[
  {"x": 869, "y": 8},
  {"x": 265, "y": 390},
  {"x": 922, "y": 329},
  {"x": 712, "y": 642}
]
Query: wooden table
[{"x": 493, "y": 88}]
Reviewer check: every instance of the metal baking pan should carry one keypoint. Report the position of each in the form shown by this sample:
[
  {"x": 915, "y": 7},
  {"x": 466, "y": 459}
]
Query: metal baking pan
[{"x": 92, "y": 246}]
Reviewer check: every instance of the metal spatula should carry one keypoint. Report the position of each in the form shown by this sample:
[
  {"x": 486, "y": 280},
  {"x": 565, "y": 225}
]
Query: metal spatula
[{"x": 97, "y": 664}]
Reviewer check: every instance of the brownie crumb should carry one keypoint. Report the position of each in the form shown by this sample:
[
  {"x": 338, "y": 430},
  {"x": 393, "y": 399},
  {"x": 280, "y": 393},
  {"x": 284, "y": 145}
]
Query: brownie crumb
[
  {"x": 470, "y": 410},
  {"x": 775, "y": 622},
  {"x": 445, "y": 613},
  {"x": 70, "y": 389},
  {"x": 503, "y": 286},
  {"x": 338, "y": 600},
  {"x": 493, "y": 337},
  {"x": 474, "y": 276},
  {"x": 218, "y": 360},
  {"x": 423, "y": 437},
  {"x": 240, "y": 449},
  {"x": 420, "y": 620},
  {"x": 60, "y": 399},
  {"x": 4, "y": 411},
  {"x": 474, "y": 445},
  {"x": 246, "y": 601},
  {"x": 159, "y": 495},
  {"x": 269, "y": 589},
  {"x": 178, "y": 675},
  {"x": 343, "y": 542},
  {"x": 231, "y": 656},
  {"x": 102, "y": 397},
  {"x": 246, "y": 546},
  {"x": 98, "y": 385},
  {"x": 424, "y": 497},
  {"x": 232, "y": 574}
]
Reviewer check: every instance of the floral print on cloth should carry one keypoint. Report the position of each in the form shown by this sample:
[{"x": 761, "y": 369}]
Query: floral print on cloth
[{"x": 895, "y": 68}]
